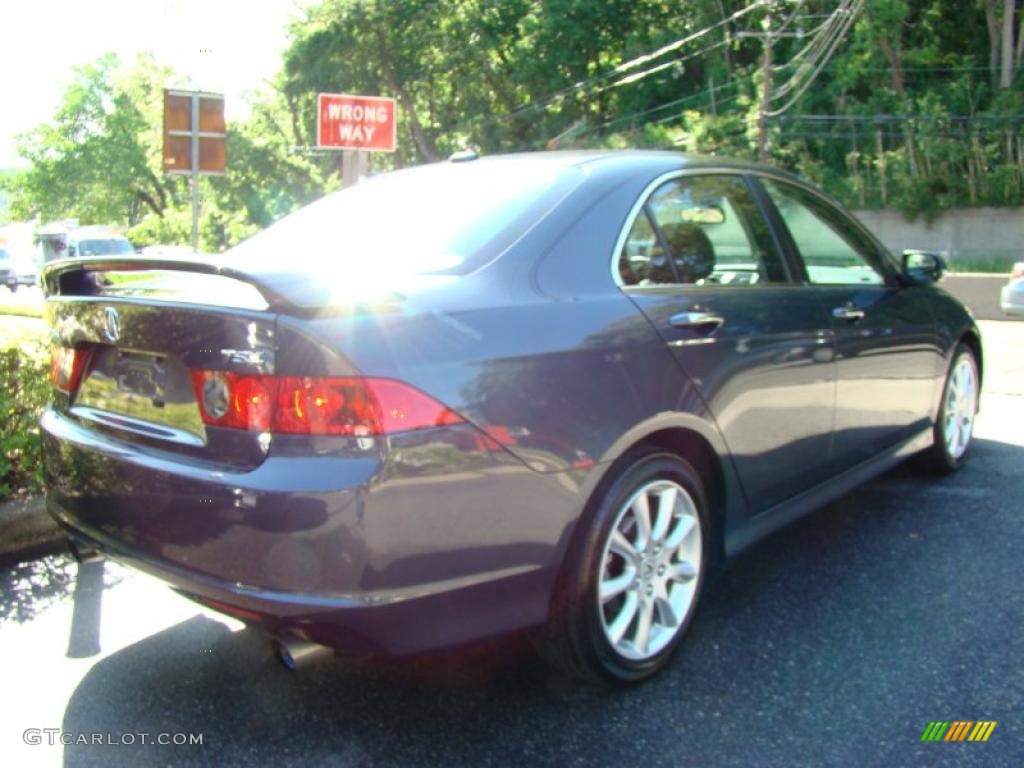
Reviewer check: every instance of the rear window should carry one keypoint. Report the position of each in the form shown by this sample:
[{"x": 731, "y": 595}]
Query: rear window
[{"x": 448, "y": 218}]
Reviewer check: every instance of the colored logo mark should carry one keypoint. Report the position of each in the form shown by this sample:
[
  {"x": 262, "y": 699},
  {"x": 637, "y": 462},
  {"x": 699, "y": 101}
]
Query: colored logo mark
[{"x": 958, "y": 730}]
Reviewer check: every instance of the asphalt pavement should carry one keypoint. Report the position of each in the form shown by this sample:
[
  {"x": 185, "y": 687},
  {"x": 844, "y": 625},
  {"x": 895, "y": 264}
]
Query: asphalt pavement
[
  {"x": 835, "y": 642},
  {"x": 981, "y": 293}
]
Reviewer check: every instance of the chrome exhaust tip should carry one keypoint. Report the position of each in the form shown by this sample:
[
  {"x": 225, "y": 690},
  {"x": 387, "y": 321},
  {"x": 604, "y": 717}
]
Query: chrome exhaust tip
[
  {"x": 295, "y": 653},
  {"x": 84, "y": 553}
]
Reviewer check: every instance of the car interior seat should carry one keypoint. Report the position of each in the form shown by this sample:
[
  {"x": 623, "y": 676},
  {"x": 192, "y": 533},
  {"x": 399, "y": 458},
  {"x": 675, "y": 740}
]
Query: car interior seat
[{"x": 692, "y": 252}]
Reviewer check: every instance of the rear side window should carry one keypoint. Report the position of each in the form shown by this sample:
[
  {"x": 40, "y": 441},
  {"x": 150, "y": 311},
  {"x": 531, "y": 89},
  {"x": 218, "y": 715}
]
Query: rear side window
[{"x": 700, "y": 230}]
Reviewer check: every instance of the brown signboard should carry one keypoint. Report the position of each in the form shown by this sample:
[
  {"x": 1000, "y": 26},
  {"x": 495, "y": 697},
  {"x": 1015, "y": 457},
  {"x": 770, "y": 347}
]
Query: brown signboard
[{"x": 191, "y": 117}]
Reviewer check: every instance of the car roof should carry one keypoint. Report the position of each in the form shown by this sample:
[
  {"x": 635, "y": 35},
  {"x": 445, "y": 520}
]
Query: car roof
[
  {"x": 625, "y": 160},
  {"x": 566, "y": 158}
]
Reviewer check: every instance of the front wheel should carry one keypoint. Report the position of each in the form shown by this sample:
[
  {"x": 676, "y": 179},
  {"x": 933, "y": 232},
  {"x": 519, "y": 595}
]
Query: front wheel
[
  {"x": 954, "y": 427},
  {"x": 631, "y": 585}
]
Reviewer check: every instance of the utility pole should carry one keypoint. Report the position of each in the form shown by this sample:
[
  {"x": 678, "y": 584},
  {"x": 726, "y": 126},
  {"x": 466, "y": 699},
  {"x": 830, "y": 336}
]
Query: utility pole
[
  {"x": 195, "y": 172},
  {"x": 766, "y": 90},
  {"x": 354, "y": 166},
  {"x": 195, "y": 142}
]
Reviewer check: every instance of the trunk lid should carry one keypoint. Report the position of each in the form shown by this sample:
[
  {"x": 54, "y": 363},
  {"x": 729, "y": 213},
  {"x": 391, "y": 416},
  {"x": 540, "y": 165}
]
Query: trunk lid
[{"x": 144, "y": 326}]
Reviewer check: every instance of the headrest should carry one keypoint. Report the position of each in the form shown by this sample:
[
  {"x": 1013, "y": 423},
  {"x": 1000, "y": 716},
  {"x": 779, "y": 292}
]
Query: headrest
[{"x": 692, "y": 252}]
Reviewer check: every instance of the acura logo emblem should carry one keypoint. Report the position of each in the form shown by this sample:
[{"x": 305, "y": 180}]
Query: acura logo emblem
[{"x": 111, "y": 324}]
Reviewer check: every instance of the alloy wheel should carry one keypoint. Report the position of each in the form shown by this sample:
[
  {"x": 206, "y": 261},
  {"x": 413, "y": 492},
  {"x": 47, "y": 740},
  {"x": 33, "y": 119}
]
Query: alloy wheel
[
  {"x": 961, "y": 406},
  {"x": 649, "y": 570}
]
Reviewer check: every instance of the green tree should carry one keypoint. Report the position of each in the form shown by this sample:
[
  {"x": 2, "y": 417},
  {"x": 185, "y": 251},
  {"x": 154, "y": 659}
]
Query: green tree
[{"x": 99, "y": 159}]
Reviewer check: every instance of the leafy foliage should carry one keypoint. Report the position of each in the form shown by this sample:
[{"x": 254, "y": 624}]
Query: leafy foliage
[
  {"x": 24, "y": 391},
  {"x": 919, "y": 107}
]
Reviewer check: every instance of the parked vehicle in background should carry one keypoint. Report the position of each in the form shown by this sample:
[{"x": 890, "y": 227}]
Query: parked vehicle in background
[
  {"x": 8, "y": 275},
  {"x": 26, "y": 271},
  {"x": 66, "y": 240},
  {"x": 541, "y": 393},
  {"x": 1011, "y": 298}
]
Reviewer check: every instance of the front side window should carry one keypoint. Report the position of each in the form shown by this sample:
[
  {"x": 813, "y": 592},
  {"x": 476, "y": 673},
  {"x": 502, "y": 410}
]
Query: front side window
[
  {"x": 700, "y": 230},
  {"x": 833, "y": 252}
]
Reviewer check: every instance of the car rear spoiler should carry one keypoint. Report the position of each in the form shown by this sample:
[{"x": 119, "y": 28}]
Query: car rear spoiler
[{"x": 77, "y": 276}]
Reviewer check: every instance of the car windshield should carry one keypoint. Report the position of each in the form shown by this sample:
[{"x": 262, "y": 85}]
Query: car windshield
[
  {"x": 447, "y": 218},
  {"x": 104, "y": 246}
]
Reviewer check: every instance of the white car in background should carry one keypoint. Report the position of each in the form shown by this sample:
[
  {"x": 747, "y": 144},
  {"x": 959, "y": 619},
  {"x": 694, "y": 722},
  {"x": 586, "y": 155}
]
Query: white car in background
[
  {"x": 1011, "y": 300},
  {"x": 8, "y": 276}
]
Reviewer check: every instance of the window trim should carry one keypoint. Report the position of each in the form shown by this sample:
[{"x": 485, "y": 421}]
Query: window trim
[
  {"x": 652, "y": 221},
  {"x": 743, "y": 176}
]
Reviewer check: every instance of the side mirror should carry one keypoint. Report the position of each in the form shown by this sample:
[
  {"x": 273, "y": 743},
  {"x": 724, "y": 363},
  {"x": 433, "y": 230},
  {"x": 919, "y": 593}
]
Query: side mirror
[{"x": 923, "y": 266}]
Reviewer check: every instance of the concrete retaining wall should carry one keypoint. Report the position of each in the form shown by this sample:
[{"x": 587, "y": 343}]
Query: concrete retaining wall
[{"x": 963, "y": 233}]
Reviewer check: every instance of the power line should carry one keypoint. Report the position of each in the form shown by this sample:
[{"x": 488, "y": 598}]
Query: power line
[
  {"x": 669, "y": 104},
  {"x": 672, "y": 62},
  {"x": 819, "y": 50},
  {"x": 725, "y": 100},
  {"x": 840, "y": 33},
  {"x": 892, "y": 118},
  {"x": 558, "y": 96},
  {"x": 815, "y": 38},
  {"x": 635, "y": 62}
]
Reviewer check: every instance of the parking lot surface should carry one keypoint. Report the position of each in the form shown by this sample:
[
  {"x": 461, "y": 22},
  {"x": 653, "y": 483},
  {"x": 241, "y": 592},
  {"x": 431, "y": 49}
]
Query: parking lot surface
[{"x": 835, "y": 642}]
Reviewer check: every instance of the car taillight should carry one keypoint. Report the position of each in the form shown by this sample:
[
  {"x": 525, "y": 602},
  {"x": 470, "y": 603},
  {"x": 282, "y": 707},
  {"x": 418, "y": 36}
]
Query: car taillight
[
  {"x": 66, "y": 367},
  {"x": 235, "y": 400},
  {"x": 316, "y": 405}
]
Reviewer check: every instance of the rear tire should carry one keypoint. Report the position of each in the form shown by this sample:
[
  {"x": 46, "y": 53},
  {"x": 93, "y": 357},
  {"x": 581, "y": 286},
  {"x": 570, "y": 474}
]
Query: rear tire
[
  {"x": 633, "y": 576},
  {"x": 954, "y": 428}
]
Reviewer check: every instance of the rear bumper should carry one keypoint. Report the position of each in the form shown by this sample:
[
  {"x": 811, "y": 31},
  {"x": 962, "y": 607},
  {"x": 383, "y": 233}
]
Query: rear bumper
[
  {"x": 359, "y": 623},
  {"x": 377, "y": 555}
]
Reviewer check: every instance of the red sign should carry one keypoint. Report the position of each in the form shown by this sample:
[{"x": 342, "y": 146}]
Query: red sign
[{"x": 355, "y": 122}]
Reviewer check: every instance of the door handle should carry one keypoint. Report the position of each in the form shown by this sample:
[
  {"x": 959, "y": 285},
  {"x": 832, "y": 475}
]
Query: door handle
[
  {"x": 848, "y": 312},
  {"x": 698, "y": 320}
]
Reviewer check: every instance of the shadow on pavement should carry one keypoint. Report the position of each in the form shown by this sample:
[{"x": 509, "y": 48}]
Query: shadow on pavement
[
  {"x": 843, "y": 635},
  {"x": 29, "y": 587},
  {"x": 84, "y": 639}
]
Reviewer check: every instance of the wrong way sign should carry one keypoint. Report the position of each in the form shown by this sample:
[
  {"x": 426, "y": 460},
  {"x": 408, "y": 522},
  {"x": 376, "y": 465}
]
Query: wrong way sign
[{"x": 355, "y": 122}]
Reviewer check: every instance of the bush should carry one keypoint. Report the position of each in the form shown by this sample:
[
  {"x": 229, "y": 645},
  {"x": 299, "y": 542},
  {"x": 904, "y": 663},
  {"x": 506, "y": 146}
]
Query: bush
[{"x": 24, "y": 391}]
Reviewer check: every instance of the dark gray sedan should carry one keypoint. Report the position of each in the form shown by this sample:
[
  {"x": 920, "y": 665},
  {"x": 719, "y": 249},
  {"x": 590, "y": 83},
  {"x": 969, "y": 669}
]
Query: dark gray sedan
[{"x": 542, "y": 393}]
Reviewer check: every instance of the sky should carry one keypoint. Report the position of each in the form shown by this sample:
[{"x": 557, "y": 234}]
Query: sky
[{"x": 224, "y": 46}]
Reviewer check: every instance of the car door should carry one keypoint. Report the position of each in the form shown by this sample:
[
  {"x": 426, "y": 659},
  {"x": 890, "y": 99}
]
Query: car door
[
  {"x": 886, "y": 354},
  {"x": 699, "y": 259}
]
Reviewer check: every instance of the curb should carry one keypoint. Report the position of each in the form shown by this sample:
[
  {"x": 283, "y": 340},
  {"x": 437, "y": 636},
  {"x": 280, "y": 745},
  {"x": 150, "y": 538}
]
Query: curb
[{"x": 27, "y": 531}]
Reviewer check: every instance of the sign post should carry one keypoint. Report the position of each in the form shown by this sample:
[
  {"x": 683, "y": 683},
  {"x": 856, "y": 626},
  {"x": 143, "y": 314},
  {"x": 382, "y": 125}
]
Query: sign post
[
  {"x": 195, "y": 141},
  {"x": 356, "y": 125}
]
